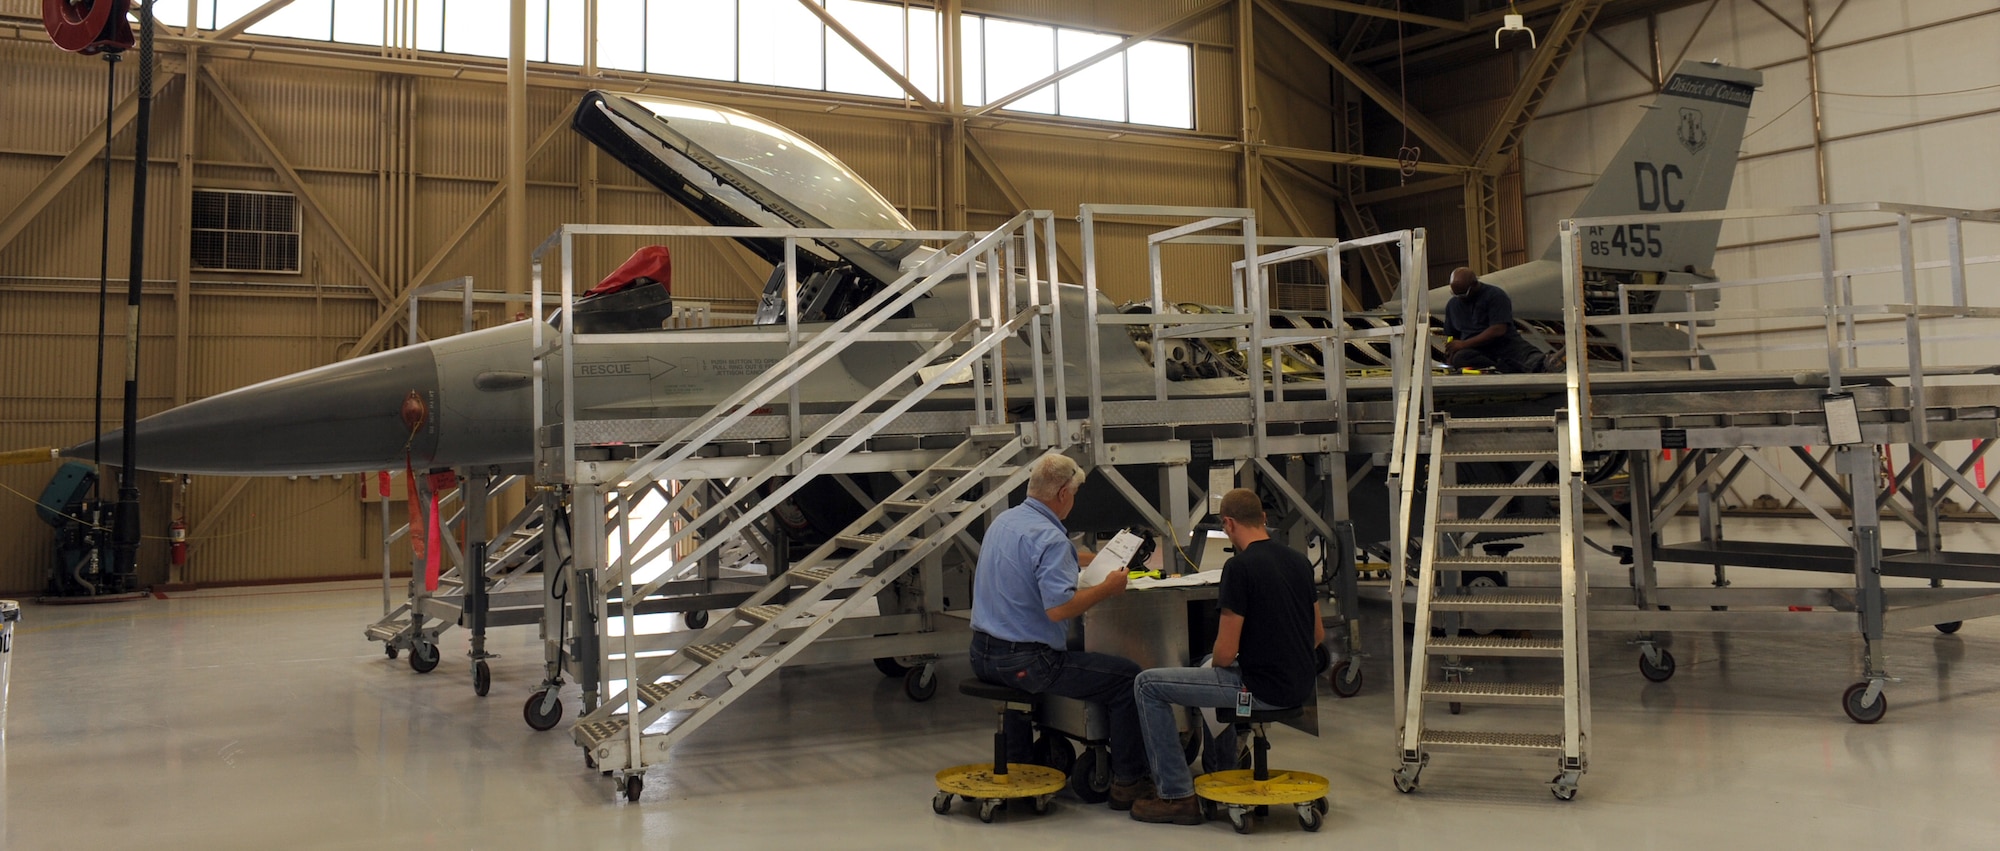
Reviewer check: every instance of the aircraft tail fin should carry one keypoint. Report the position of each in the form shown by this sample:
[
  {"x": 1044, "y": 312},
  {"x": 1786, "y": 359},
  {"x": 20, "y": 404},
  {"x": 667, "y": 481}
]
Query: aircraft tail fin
[{"x": 1681, "y": 157}]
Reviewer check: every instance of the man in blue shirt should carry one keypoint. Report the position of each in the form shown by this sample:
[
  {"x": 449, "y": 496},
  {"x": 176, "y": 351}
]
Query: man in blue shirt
[
  {"x": 1479, "y": 319},
  {"x": 1023, "y": 591}
]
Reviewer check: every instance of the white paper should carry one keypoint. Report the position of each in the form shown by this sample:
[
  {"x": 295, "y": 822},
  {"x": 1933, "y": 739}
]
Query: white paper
[
  {"x": 1112, "y": 556},
  {"x": 1206, "y": 577}
]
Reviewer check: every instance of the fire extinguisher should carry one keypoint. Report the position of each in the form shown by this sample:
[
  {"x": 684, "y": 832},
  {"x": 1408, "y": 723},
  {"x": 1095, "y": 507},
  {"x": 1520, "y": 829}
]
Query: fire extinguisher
[{"x": 177, "y": 534}]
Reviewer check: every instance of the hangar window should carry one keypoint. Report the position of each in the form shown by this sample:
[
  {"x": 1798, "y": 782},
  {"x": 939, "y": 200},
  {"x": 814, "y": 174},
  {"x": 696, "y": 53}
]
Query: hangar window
[
  {"x": 768, "y": 42},
  {"x": 243, "y": 231}
]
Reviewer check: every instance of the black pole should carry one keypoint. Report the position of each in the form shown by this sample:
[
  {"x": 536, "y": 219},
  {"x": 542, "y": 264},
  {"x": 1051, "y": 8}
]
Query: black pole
[
  {"x": 103, "y": 277},
  {"x": 125, "y": 524}
]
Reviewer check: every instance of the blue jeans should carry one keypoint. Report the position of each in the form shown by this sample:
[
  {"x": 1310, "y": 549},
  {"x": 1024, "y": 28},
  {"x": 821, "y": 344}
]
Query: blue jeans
[
  {"x": 1159, "y": 691},
  {"x": 1096, "y": 677}
]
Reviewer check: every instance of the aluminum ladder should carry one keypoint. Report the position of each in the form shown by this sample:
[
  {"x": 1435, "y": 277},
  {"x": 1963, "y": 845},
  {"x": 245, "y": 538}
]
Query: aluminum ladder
[
  {"x": 740, "y": 648},
  {"x": 1439, "y": 676}
]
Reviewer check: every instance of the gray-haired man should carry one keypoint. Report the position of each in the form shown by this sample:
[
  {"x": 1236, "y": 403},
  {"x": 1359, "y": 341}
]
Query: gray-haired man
[{"x": 1024, "y": 589}]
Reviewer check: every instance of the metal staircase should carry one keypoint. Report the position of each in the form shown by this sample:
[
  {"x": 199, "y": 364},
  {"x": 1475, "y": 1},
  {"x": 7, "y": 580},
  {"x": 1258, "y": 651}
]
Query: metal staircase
[
  {"x": 1440, "y": 675},
  {"x": 742, "y": 647},
  {"x": 515, "y": 551}
]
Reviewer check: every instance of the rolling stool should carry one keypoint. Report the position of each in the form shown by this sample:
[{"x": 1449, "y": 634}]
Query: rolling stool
[
  {"x": 1258, "y": 787},
  {"x": 1000, "y": 781}
]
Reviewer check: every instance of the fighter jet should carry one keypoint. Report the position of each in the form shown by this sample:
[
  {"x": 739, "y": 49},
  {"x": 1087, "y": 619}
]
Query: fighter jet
[
  {"x": 1680, "y": 158},
  {"x": 733, "y": 169}
]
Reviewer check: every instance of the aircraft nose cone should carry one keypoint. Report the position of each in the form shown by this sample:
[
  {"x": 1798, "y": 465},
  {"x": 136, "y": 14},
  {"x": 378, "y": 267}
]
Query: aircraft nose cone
[{"x": 341, "y": 418}]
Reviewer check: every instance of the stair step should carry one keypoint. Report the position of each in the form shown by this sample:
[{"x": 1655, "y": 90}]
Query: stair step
[
  {"x": 590, "y": 734},
  {"x": 1521, "y": 454},
  {"x": 864, "y": 540},
  {"x": 1513, "y": 601},
  {"x": 1476, "y": 645},
  {"x": 1445, "y": 740},
  {"x": 1516, "y": 694},
  {"x": 1491, "y": 423},
  {"x": 761, "y": 614},
  {"x": 963, "y": 469},
  {"x": 387, "y": 631},
  {"x": 913, "y": 506},
  {"x": 816, "y": 575},
  {"x": 1500, "y": 524},
  {"x": 1539, "y": 489},
  {"x": 708, "y": 653},
  {"x": 653, "y": 693},
  {"x": 1498, "y": 563}
]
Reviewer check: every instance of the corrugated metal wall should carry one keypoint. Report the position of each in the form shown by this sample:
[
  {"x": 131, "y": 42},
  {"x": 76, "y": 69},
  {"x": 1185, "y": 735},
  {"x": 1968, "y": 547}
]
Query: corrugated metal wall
[{"x": 396, "y": 163}]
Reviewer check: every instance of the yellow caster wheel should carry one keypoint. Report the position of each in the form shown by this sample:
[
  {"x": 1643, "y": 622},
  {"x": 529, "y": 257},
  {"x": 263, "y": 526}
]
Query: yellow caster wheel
[
  {"x": 1242, "y": 793},
  {"x": 978, "y": 783}
]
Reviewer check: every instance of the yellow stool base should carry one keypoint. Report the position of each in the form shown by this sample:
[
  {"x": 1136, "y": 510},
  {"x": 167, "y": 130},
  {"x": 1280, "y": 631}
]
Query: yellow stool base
[
  {"x": 1240, "y": 788},
  {"x": 1021, "y": 781}
]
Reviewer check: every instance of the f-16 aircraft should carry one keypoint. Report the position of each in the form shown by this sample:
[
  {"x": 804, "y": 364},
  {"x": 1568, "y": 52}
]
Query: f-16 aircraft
[{"x": 734, "y": 169}]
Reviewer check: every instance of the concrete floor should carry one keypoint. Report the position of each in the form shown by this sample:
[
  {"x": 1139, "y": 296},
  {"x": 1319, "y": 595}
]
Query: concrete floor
[{"x": 260, "y": 718}]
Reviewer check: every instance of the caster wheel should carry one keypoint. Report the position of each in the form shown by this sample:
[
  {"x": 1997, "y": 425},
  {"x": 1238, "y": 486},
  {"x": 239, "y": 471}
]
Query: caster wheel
[
  {"x": 1563, "y": 793},
  {"x": 986, "y": 810},
  {"x": 482, "y": 678},
  {"x": 1055, "y": 752},
  {"x": 532, "y": 712},
  {"x": 1851, "y": 701},
  {"x": 1323, "y": 805},
  {"x": 423, "y": 657},
  {"x": 1084, "y": 779},
  {"x": 1311, "y": 817},
  {"x": 1950, "y": 627},
  {"x": 634, "y": 784},
  {"x": 1239, "y": 818},
  {"x": 941, "y": 802},
  {"x": 590, "y": 762},
  {"x": 1406, "y": 780},
  {"x": 890, "y": 667},
  {"x": 920, "y": 683},
  {"x": 389, "y": 650},
  {"x": 696, "y": 619},
  {"x": 1207, "y": 808},
  {"x": 1041, "y": 804},
  {"x": 1457, "y": 707},
  {"x": 1345, "y": 677},
  {"x": 1657, "y": 673}
]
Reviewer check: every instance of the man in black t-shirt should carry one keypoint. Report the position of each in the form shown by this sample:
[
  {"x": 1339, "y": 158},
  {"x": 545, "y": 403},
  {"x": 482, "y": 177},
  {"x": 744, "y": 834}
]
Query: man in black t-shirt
[
  {"x": 1479, "y": 320},
  {"x": 1264, "y": 646}
]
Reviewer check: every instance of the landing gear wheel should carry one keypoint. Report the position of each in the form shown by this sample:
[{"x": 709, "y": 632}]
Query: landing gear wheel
[
  {"x": 1563, "y": 787},
  {"x": 1345, "y": 677},
  {"x": 1851, "y": 701},
  {"x": 482, "y": 678},
  {"x": 890, "y": 667},
  {"x": 941, "y": 802},
  {"x": 1657, "y": 673},
  {"x": 920, "y": 683},
  {"x": 1311, "y": 817},
  {"x": 634, "y": 784},
  {"x": 423, "y": 657},
  {"x": 1084, "y": 779},
  {"x": 532, "y": 712},
  {"x": 1950, "y": 627},
  {"x": 1239, "y": 818},
  {"x": 1054, "y": 752},
  {"x": 986, "y": 810},
  {"x": 696, "y": 619},
  {"x": 389, "y": 650}
]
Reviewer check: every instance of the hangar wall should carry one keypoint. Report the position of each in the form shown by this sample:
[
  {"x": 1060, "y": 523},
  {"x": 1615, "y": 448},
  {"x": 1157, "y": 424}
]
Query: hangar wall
[{"x": 397, "y": 160}]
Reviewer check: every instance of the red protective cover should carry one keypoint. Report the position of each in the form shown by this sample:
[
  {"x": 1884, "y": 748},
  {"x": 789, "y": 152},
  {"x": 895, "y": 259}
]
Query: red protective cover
[{"x": 653, "y": 261}]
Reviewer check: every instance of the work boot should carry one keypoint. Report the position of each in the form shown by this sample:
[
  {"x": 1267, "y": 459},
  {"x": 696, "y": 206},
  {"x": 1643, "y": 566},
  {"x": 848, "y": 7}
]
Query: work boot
[
  {"x": 1157, "y": 810},
  {"x": 1123, "y": 794}
]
